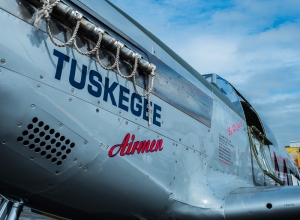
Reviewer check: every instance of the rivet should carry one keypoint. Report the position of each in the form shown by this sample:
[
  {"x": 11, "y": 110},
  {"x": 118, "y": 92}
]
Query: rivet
[
  {"x": 120, "y": 112},
  {"x": 39, "y": 86},
  {"x": 84, "y": 168},
  {"x": 79, "y": 165},
  {"x": 57, "y": 172},
  {"x": 0, "y": 70},
  {"x": 41, "y": 76},
  {"x": 19, "y": 124},
  {"x": 187, "y": 148},
  {"x": 101, "y": 145},
  {"x": 139, "y": 127},
  {"x": 72, "y": 90},
  {"x": 3, "y": 61},
  {"x": 60, "y": 125},
  {"x": 97, "y": 110},
  {"x": 170, "y": 184},
  {"x": 175, "y": 161},
  {"x": 119, "y": 119},
  {"x": 157, "y": 136},
  {"x": 3, "y": 141},
  {"x": 107, "y": 146},
  {"x": 32, "y": 105},
  {"x": 173, "y": 144},
  {"x": 31, "y": 157},
  {"x": 85, "y": 142},
  {"x": 174, "y": 178},
  {"x": 99, "y": 102},
  {"x": 179, "y": 139},
  {"x": 126, "y": 122},
  {"x": 162, "y": 122},
  {"x": 70, "y": 99},
  {"x": 75, "y": 159}
]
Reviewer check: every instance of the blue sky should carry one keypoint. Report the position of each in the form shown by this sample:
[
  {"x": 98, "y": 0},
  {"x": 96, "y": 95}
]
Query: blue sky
[{"x": 254, "y": 44}]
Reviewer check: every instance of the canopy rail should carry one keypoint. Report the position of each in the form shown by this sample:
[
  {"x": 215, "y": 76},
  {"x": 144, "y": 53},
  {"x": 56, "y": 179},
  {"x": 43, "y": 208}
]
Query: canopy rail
[{"x": 72, "y": 18}]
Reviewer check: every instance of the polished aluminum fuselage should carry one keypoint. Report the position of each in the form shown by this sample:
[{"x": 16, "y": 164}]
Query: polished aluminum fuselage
[{"x": 186, "y": 179}]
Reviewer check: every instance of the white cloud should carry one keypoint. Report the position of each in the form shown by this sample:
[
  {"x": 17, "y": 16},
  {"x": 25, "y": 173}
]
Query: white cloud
[{"x": 253, "y": 44}]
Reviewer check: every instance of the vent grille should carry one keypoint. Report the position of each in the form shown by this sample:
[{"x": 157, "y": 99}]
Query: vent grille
[{"x": 47, "y": 142}]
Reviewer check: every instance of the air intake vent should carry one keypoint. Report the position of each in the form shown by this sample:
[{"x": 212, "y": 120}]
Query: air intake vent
[{"x": 43, "y": 139}]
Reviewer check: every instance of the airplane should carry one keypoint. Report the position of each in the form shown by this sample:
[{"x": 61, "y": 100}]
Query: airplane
[{"x": 101, "y": 120}]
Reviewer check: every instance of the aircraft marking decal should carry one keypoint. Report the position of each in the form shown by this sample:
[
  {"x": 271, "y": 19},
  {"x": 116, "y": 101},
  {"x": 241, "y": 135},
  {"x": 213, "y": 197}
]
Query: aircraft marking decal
[
  {"x": 225, "y": 150},
  {"x": 135, "y": 147},
  {"x": 98, "y": 86},
  {"x": 235, "y": 127}
]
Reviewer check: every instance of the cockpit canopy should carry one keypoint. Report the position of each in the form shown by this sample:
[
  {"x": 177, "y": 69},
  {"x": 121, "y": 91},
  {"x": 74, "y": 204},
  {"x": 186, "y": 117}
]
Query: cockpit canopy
[{"x": 241, "y": 105}]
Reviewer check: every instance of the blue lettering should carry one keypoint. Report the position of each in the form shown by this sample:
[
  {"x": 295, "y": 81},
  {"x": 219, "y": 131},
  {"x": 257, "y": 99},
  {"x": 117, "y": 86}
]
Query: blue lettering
[
  {"x": 138, "y": 105},
  {"x": 156, "y": 115},
  {"x": 81, "y": 84},
  {"x": 97, "y": 92},
  {"x": 109, "y": 91},
  {"x": 123, "y": 98},
  {"x": 145, "y": 116},
  {"x": 137, "y": 112},
  {"x": 60, "y": 64}
]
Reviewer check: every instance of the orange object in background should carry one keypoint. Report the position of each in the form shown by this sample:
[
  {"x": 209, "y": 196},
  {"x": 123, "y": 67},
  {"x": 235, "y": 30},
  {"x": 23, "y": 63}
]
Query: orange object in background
[{"x": 294, "y": 151}]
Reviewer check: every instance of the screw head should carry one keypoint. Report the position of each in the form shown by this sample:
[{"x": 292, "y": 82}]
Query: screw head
[
  {"x": 85, "y": 143},
  {"x": 97, "y": 110},
  {"x": 32, "y": 105},
  {"x": 79, "y": 165},
  {"x": 41, "y": 76},
  {"x": 3, "y": 61},
  {"x": 70, "y": 99},
  {"x": 99, "y": 102},
  {"x": 75, "y": 159},
  {"x": 84, "y": 168},
  {"x": 19, "y": 124},
  {"x": 39, "y": 86},
  {"x": 3, "y": 141},
  {"x": 72, "y": 90}
]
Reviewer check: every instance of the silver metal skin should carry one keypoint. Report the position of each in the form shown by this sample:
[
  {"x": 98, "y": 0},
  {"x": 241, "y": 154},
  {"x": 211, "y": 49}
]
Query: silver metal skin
[
  {"x": 10, "y": 210},
  {"x": 263, "y": 203},
  {"x": 15, "y": 211},
  {"x": 5, "y": 208},
  {"x": 64, "y": 117}
]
